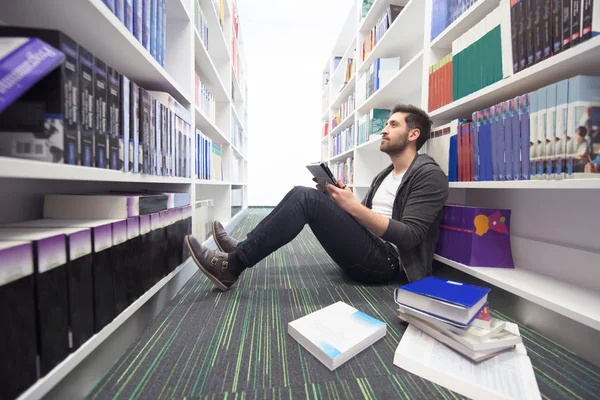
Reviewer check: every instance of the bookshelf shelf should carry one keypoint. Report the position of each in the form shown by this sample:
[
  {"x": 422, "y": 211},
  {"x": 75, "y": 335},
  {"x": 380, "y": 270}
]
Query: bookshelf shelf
[
  {"x": 531, "y": 184},
  {"x": 237, "y": 118},
  {"x": 16, "y": 168},
  {"x": 212, "y": 182},
  {"x": 397, "y": 39},
  {"x": 343, "y": 124},
  {"x": 342, "y": 155},
  {"x": 239, "y": 153},
  {"x": 465, "y": 22},
  {"x": 118, "y": 47},
  {"x": 404, "y": 86},
  {"x": 338, "y": 74},
  {"x": 369, "y": 145},
  {"x": 208, "y": 70},
  {"x": 344, "y": 93},
  {"x": 580, "y": 60},
  {"x": 218, "y": 47},
  {"x": 564, "y": 298},
  {"x": 208, "y": 128},
  {"x": 375, "y": 11}
]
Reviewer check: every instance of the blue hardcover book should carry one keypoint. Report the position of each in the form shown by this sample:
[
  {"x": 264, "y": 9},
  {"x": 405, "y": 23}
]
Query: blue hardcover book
[
  {"x": 159, "y": 31},
  {"x": 533, "y": 126},
  {"x": 110, "y": 4},
  {"x": 495, "y": 121},
  {"x": 452, "y": 300},
  {"x": 134, "y": 134},
  {"x": 516, "y": 139},
  {"x": 524, "y": 118},
  {"x": 486, "y": 145},
  {"x": 542, "y": 105},
  {"x": 562, "y": 107},
  {"x": 500, "y": 157},
  {"x": 120, "y": 10},
  {"x": 146, "y": 10},
  {"x": 153, "y": 26},
  {"x": 163, "y": 32},
  {"x": 475, "y": 130},
  {"x": 453, "y": 159},
  {"x": 138, "y": 19},
  {"x": 550, "y": 138},
  {"x": 129, "y": 15},
  {"x": 507, "y": 115}
]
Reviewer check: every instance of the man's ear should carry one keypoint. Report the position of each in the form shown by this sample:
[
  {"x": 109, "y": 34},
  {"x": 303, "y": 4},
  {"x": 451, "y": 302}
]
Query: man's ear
[{"x": 414, "y": 134}]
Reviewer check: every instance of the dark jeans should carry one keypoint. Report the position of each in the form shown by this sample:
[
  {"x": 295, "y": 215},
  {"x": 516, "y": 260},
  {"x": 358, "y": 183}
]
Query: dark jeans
[{"x": 357, "y": 250}]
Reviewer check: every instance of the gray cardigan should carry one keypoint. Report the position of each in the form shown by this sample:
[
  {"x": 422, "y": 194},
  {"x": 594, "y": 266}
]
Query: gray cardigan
[{"x": 416, "y": 214}]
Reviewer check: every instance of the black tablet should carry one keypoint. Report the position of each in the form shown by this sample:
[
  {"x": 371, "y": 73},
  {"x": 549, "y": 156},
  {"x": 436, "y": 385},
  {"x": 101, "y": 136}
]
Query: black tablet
[{"x": 322, "y": 174}]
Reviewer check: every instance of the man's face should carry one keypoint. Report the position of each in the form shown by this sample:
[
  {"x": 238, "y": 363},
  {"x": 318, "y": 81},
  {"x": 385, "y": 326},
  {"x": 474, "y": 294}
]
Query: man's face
[{"x": 396, "y": 135}]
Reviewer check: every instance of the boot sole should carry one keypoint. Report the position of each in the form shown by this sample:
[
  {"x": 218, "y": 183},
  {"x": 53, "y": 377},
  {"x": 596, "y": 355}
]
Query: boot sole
[
  {"x": 210, "y": 276},
  {"x": 215, "y": 238}
]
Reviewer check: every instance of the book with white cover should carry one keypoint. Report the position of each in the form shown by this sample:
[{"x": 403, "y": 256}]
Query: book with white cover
[
  {"x": 336, "y": 333},
  {"x": 477, "y": 333},
  {"x": 508, "y": 375}
]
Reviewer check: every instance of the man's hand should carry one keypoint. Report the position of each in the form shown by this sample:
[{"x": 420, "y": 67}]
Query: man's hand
[
  {"x": 343, "y": 197},
  {"x": 318, "y": 186}
]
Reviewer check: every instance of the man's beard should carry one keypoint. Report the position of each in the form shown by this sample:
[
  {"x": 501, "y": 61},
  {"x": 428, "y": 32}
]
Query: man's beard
[{"x": 396, "y": 147}]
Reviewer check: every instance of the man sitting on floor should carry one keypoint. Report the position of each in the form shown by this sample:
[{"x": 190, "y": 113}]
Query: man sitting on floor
[{"x": 395, "y": 228}]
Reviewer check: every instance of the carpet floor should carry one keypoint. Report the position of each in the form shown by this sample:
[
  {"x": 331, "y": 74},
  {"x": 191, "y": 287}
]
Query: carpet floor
[{"x": 234, "y": 345}]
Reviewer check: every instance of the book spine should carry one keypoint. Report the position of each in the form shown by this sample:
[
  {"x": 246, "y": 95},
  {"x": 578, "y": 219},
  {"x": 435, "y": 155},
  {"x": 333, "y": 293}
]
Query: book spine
[
  {"x": 575, "y": 22},
  {"x": 514, "y": 34},
  {"x": 159, "y": 32},
  {"x": 101, "y": 134},
  {"x": 546, "y": 22},
  {"x": 134, "y": 126},
  {"x": 529, "y": 10},
  {"x": 538, "y": 35},
  {"x": 153, "y": 26},
  {"x": 120, "y": 10},
  {"x": 164, "y": 32},
  {"x": 566, "y": 24},
  {"x": 521, "y": 33},
  {"x": 541, "y": 131},
  {"x": 138, "y": 19},
  {"x": 114, "y": 117},
  {"x": 533, "y": 125},
  {"x": 129, "y": 15},
  {"x": 516, "y": 139},
  {"x": 524, "y": 119},
  {"x": 590, "y": 19},
  {"x": 86, "y": 83},
  {"x": 551, "y": 138},
  {"x": 125, "y": 128},
  {"x": 508, "y": 136},
  {"x": 556, "y": 22},
  {"x": 146, "y": 11}
]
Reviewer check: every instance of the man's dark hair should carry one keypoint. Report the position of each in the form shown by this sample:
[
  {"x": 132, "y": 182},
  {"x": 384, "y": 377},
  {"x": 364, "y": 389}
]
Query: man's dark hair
[
  {"x": 582, "y": 131},
  {"x": 416, "y": 119}
]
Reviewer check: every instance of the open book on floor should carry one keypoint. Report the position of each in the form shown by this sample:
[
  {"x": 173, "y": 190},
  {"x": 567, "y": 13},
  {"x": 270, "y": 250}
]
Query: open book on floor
[
  {"x": 336, "y": 333},
  {"x": 508, "y": 375}
]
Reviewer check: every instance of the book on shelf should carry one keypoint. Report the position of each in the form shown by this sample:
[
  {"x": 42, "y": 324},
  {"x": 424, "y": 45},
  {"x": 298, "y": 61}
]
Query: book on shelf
[
  {"x": 445, "y": 12},
  {"x": 109, "y": 206},
  {"x": 453, "y": 301},
  {"x": 24, "y": 62},
  {"x": 336, "y": 333},
  {"x": 383, "y": 23},
  {"x": 507, "y": 375}
]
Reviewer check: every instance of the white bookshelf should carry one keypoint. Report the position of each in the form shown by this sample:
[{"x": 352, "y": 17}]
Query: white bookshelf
[
  {"x": 24, "y": 182},
  {"x": 555, "y": 254}
]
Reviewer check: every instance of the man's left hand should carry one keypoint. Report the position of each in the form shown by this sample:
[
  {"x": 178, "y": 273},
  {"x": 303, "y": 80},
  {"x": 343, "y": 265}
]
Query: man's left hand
[{"x": 343, "y": 197}]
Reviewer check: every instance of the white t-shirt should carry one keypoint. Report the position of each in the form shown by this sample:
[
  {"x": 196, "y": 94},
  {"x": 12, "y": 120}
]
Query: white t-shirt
[{"x": 383, "y": 201}]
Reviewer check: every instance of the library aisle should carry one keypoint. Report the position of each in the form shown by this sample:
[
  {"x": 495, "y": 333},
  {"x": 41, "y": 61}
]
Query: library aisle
[
  {"x": 207, "y": 344},
  {"x": 123, "y": 128}
]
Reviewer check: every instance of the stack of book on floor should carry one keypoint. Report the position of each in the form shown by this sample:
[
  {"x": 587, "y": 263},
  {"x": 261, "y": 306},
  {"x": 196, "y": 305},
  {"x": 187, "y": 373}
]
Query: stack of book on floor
[{"x": 457, "y": 315}]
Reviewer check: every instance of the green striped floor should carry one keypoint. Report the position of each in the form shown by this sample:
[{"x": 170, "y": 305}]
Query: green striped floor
[{"x": 234, "y": 345}]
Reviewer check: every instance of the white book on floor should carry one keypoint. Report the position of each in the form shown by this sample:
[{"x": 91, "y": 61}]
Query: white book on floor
[
  {"x": 508, "y": 375},
  {"x": 336, "y": 333}
]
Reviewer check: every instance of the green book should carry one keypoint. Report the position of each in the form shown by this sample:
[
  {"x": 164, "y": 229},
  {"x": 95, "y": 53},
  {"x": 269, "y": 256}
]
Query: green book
[{"x": 378, "y": 118}]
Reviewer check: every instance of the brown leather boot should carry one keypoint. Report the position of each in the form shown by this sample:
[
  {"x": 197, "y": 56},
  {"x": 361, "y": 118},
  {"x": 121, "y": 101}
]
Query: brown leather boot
[
  {"x": 224, "y": 242},
  {"x": 213, "y": 263}
]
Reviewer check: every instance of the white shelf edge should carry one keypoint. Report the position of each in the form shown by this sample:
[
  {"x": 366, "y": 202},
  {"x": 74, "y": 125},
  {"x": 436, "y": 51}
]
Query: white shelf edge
[
  {"x": 211, "y": 182},
  {"x": 347, "y": 52},
  {"x": 45, "y": 384},
  {"x": 219, "y": 83},
  {"x": 531, "y": 184},
  {"x": 238, "y": 151},
  {"x": 400, "y": 73},
  {"x": 225, "y": 139},
  {"x": 546, "y": 289},
  {"x": 364, "y": 64},
  {"x": 342, "y": 155},
  {"x": 343, "y": 124},
  {"x": 19, "y": 168},
  {"x": 344, "y": 93},
  {"x": 369, "y": 143}
]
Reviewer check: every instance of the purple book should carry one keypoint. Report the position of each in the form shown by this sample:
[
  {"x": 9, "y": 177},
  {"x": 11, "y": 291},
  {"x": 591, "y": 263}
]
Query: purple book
[
  {"x": 477, "y": 237},
  {"x": 23, "y": 63}
]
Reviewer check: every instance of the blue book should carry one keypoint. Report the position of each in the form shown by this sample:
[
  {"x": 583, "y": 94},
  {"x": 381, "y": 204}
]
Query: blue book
[
  {"x": 507, "y": 114},
  {"x": 163, "y": 31},
  {"x": 153, "y": 26},
  {"x": 159, "y": 31},
  {"x": 475, "y": 129},
  {"x": 138, "y": 19},
  {"x": 516, "y": 138},
  {"x": 454, "y": 301},
  {"x": 129, "y": 15},
  {"x": 110, "y": 4},
  {"x": 525, "y": 139},
  {"x": 120, "y": 10},
  {"x": 146, "y": 9},
  {"x": 453, "y": 160},
  {"x": 495, "y": 147}
]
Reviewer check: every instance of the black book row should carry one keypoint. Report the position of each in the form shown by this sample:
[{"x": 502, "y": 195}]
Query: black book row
[
  {"x": 63, "y": 280},
  {"x": 86, "y": 113}
]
